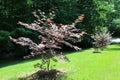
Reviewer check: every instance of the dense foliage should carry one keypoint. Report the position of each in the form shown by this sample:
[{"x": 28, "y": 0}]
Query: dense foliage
[
  {"x": 114, "y": 18},
  {"x": 97, "y": 14}
]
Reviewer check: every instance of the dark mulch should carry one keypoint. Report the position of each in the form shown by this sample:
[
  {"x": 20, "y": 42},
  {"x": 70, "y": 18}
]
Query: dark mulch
[{"x": 52, "y": 74}]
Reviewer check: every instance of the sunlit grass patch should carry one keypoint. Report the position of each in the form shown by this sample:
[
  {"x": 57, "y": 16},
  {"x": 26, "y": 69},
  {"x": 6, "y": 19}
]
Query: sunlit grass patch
[{"x": 83, "y": 65}]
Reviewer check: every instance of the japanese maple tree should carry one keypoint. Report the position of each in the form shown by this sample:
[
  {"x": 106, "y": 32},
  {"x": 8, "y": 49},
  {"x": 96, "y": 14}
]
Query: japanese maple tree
[{"x": 52, "y": 36}]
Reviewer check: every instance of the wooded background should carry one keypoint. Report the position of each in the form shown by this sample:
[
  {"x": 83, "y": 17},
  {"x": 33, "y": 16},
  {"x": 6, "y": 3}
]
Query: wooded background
[{"x": 99, "y": 15}]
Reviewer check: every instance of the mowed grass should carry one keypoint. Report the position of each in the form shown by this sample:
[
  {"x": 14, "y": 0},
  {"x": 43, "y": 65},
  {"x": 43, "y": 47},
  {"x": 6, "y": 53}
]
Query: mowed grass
[{"x": 83, "y": 65}]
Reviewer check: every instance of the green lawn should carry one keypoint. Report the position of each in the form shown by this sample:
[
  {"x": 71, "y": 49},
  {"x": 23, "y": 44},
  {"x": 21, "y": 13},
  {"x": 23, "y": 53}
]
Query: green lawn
[{"x": 84, "y": 65}]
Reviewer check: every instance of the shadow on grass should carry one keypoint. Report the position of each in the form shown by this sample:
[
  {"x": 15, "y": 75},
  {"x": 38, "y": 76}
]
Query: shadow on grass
[
  {"x": 52, "y": 74},
  {"x": 5, "y": 63},
  {"x": 112, "y": 49},
  {"x": 74, "y": 51},
  {"x": 96, "y": 52},
  {"x": 118, "y": 44}
]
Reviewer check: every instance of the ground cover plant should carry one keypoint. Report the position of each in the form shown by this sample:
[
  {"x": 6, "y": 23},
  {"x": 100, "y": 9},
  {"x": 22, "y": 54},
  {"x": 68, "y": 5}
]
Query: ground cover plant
[
  {"x": 52, "y": 36},
  {"x": 84, "y": 65}
]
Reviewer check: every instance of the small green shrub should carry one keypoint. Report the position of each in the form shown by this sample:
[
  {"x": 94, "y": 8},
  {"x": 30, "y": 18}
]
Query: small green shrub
[{"x": 5, "y": 43}]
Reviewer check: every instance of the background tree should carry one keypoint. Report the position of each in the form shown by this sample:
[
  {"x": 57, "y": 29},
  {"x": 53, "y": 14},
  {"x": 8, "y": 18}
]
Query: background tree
[{"x": 114, "y": 18}]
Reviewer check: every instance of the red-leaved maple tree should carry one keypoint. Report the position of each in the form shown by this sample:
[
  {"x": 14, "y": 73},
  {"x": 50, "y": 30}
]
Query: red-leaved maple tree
[{"x": 52, "y": 36}]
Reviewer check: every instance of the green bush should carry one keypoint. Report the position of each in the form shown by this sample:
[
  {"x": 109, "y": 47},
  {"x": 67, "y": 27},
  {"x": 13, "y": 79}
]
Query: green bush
[
  {"x": 86, "y": 42},
  {"x": 25, "y": 33},
  {"x": 10, "y": 50},
  {"x": 5, "y": 44},
  {"x": 19, "y": 51},
  {"x": 115, "y": 30}
]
